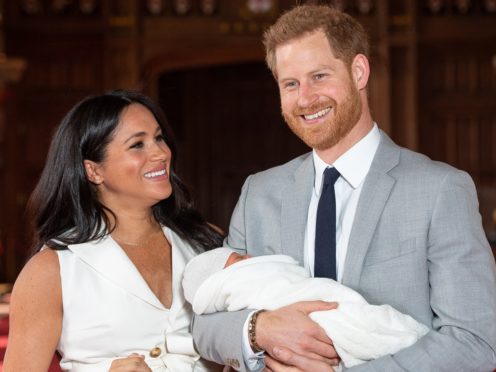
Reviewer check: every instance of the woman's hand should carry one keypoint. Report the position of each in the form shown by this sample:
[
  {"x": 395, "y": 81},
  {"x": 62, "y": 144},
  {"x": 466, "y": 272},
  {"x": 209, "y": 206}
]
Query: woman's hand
[{"x": 133, "y": 363}]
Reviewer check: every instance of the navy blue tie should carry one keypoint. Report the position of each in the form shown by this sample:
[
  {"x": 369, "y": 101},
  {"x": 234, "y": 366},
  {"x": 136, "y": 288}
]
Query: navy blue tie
[{"x": 325, "y": 230}]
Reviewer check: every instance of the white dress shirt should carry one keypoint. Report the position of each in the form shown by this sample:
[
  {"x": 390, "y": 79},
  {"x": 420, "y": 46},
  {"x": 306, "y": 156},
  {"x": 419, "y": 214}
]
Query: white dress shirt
[{"x": 353, "y": 167}]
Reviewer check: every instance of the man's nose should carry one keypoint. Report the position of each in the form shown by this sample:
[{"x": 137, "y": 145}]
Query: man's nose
[{"x": 307, "y": 95}]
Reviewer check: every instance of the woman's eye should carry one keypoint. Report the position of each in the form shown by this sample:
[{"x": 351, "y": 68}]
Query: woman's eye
[
  {"x": 160, "y": 137},
  {"x": 137, "y": 145}
]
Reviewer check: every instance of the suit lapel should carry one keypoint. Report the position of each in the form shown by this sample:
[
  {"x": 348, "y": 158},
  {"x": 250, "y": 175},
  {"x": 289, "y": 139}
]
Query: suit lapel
[
  {"x": 294, "y": 209},
  {"x": 111, "y": 262},
  {"x": 373, "y": 198}
]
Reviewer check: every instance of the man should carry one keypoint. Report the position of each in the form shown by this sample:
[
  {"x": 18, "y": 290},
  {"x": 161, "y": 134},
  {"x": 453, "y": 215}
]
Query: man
[{"x": 407, "y": 233}]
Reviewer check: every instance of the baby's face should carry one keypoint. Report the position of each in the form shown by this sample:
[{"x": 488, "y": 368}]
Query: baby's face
[{"x": 235, "y": 257}]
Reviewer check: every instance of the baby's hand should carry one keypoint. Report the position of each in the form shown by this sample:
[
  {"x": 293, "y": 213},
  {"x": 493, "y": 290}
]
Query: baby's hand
[{"x": 133, "y": 363}]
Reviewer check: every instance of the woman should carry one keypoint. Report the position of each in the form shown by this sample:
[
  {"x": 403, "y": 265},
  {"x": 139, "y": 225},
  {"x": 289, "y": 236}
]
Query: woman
[{"x": 114, "y": 227}]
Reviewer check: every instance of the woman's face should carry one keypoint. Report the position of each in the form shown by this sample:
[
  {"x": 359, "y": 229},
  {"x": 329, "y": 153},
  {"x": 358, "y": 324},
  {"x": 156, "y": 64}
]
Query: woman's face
[{"x": 135, "y": 171}]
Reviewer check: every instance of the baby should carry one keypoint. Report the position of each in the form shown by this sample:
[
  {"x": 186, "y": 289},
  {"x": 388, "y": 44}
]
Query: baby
[{"x": 223, "y": 280}]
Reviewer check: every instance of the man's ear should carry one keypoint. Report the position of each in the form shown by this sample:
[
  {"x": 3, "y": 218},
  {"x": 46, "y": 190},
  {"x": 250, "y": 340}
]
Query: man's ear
[
  {"x": 92, "y": 170},
  {"x": 360, "y": 71}
]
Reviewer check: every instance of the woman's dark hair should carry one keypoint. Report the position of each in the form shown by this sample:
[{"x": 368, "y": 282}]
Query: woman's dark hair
[{"x": 64, "y": 206}]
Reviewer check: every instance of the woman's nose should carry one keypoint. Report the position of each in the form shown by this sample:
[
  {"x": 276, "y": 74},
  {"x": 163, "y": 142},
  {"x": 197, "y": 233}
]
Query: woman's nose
[{"x": 160, "y": 152}]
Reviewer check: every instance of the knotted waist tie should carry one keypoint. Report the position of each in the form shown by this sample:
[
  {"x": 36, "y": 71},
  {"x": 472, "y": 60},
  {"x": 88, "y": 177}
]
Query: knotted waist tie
[
  {"x": 171, "y": 362},
  {"x": 177, "y": 354}
]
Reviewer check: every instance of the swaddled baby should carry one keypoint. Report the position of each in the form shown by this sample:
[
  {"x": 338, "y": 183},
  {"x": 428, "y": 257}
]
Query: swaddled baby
[{"x": 223, "y": 280}]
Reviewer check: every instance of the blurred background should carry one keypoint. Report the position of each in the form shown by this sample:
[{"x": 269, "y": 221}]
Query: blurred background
[{"x": 433, "y": 88}]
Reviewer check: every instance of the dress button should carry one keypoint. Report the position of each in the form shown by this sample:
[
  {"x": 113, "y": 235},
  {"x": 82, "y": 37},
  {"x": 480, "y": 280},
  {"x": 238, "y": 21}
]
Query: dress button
[{"x": 155, "y": 352}]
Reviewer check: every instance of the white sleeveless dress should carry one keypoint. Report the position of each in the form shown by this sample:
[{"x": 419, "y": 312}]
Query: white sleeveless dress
[{"x": 109, "y": 311}]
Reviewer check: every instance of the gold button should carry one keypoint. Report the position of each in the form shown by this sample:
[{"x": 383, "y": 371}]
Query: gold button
[{"x": 155, "y": 352}]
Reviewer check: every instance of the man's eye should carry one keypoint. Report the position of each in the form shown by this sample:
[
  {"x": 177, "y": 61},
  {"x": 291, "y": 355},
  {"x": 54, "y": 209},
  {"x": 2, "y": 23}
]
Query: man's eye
[
  {"x": 290, "y": 84},
  {"x": 319, "y": 76}
]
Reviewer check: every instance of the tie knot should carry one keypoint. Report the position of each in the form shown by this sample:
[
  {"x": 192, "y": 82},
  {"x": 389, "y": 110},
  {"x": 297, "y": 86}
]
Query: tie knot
[{"x": 330, "y": 176}]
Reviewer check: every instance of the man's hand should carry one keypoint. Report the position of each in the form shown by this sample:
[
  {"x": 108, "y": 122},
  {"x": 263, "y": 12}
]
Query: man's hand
[
  {"x": 298, "y": 363},
  {"x": 291, "y": 328}
]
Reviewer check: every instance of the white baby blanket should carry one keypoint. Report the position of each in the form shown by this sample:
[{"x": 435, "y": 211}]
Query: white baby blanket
[{"x": 359, "y": 331}]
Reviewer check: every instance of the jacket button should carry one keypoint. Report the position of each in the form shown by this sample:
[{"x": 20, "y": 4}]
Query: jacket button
[{"x": 155, "y": 352}]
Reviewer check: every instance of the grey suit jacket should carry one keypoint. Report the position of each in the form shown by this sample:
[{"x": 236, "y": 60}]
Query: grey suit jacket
[{"x": 417, "y": 244}]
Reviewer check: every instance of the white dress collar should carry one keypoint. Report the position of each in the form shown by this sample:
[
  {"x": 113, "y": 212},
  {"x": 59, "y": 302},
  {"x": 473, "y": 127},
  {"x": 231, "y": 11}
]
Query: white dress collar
[{"x": 107, "y": 258}]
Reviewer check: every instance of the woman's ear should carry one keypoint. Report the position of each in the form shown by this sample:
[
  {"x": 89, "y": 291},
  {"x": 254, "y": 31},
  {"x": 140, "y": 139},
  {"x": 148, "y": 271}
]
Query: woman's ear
[
  {"x": 92, "y": 170},
  {"x": 360, "y": 71}
]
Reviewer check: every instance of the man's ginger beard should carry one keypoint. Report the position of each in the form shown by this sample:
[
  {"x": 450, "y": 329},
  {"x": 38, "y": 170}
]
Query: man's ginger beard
[{"x": 343, "y": 118}]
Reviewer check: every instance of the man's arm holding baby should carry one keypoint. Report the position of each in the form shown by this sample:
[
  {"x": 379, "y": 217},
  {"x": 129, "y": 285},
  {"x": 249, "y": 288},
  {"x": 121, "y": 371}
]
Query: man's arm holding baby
[
  {"x": 288, "y": 358},
  {"x": 219, "y": 336},
  {"x": 291, "y": 327}
]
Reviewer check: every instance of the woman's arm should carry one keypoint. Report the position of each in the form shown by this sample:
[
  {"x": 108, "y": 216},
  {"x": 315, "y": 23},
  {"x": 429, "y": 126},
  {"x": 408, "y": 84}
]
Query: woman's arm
[{"x": 35, "y": 315}]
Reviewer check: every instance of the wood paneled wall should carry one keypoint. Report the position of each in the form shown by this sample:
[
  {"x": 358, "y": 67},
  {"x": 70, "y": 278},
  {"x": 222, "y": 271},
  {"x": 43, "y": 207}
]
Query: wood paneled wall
[{"x": 433, "y": 87}]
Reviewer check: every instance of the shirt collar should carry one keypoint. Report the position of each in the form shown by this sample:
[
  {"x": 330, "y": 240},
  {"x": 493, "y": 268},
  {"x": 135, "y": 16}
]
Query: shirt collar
[{"x": 354, "y": 164}]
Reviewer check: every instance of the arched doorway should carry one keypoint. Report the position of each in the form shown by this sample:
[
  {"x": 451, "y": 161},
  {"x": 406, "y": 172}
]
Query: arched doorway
[{"x": 228, "y": 124}]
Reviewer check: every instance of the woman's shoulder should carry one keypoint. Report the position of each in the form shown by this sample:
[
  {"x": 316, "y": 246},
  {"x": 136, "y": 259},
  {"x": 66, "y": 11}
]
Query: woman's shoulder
[
  {"x": 37, "y": 290},
  {"x": 35, "y": 313},
  {"x": 41, "y": 271},
  {"x": 45, "y": 259}
]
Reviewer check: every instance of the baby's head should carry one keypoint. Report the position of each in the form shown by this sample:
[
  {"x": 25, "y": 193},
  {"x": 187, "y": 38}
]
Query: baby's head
[
  {"x": 234, "y": 258},
  {"x": 206, "y": 264}
]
